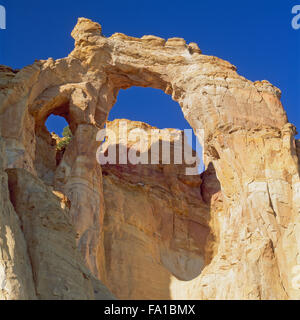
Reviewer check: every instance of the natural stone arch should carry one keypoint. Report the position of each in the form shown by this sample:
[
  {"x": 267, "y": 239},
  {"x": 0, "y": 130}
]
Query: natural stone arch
[
  {"x": 207, "y": 88},
  {"x": 246, "y": 137}
]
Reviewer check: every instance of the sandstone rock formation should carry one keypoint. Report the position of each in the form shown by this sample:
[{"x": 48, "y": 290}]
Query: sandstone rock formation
[
  {"x": 238, "y": 235},
  {"x": 156, "y": 221},
  {"x": 16, "y": 278},
  {"x": 39, "y": 258}
]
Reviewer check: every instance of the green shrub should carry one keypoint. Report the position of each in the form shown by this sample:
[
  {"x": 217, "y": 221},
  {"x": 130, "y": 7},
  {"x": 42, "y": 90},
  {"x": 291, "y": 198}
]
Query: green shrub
[{"x": 65, "y": 140}]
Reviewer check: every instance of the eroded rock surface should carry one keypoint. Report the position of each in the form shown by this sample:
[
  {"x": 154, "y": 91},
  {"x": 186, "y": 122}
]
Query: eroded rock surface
[
  {"x": 251, "y": 189},
  {"x": 156, "y": 222},
  {"x": 16, "y": 278},
  {"x": 38, "y": 254},
  {"x": 57, "y": 268}
]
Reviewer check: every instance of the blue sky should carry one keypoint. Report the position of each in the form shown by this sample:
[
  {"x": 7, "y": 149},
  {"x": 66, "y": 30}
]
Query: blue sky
[{"x": 256, "y": 36}]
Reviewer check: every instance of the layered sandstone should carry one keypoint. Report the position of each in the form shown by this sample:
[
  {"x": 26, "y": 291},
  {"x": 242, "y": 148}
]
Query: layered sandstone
[
  {"x": 38, "y": 254},
  {"x": 16, "y": 278},
  {"x": 249, "y": 196},
  {"x": 156, "y": 222}
]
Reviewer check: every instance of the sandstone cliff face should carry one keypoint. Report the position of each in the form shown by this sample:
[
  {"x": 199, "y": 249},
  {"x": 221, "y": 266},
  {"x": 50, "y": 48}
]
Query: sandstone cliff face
[
  {"x": 39, "y": 258},
  {"x": 156, "y": 222},
  {"x": 249, "y": 200},
  {"x": 45, "y": 223},
  {"x": 16, "y": 278}
]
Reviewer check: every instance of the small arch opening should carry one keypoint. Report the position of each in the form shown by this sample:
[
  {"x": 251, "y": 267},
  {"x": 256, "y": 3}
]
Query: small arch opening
[
  {"x": 53, "y": 135},
  {"x": 56, "y": 124},
  {"x": 61, "y": 134}
]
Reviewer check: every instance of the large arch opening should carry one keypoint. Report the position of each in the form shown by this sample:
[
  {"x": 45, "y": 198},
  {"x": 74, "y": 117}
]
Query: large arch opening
[
  {"x": 156, "y": 221},
  {"x": 154, "y": 107}
]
